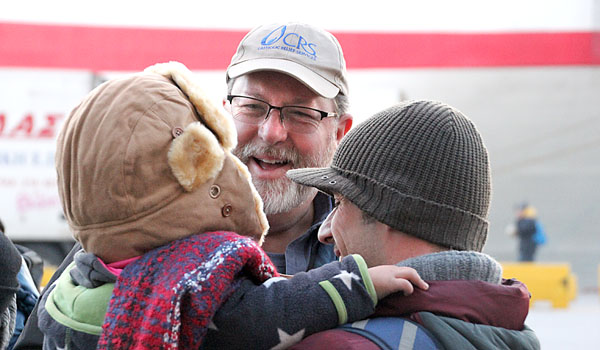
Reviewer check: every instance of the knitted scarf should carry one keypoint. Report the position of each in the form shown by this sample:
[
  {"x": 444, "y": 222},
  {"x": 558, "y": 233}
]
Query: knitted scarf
[
  {"x": 167, "y": 298},
  {"x": 456, "y": 265}
]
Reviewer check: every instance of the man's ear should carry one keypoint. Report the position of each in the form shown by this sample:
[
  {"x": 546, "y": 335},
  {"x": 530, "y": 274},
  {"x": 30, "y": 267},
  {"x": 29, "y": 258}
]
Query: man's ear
[{"x": 343, "y": 126}]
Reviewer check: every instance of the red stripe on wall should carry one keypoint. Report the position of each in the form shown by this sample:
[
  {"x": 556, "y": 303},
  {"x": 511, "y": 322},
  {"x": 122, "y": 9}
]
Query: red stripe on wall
[
  {"x": 470, "y": 50},
  {"x": 130, "y": 49}
]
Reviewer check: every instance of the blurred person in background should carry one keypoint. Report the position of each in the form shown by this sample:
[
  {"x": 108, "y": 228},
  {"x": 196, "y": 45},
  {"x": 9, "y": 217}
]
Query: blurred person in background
[{"x": 529, "y": 231}]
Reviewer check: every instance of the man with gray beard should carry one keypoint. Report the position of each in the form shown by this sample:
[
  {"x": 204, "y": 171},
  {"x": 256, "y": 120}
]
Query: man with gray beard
[{"x": 287, "y": 93}]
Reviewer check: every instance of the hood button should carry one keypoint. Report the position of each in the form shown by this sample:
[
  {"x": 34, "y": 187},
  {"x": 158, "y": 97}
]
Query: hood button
[
  {"x": 176, "y": 132},
  {"x": 227, "y": 209},
  {"x": 215, "y": 191}
]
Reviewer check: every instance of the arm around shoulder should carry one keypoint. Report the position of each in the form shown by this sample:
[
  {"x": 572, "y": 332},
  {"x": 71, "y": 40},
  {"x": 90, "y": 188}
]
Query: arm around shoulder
[{"x": 282, "y": 311}]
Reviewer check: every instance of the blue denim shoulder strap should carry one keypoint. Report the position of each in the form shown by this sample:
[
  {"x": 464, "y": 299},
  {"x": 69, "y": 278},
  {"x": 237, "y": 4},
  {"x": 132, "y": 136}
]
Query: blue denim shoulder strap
[{"x": 394, "y": 333}]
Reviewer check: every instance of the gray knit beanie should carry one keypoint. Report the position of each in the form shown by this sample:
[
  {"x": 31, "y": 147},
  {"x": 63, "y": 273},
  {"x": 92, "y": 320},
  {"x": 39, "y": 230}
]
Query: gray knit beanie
[{"x": 419, "y": 167}]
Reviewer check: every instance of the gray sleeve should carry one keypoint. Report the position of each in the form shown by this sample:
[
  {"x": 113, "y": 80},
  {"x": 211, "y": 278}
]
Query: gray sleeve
[
  {"x": 280, "y": 312},
  {"x": 8, "y": 317}
]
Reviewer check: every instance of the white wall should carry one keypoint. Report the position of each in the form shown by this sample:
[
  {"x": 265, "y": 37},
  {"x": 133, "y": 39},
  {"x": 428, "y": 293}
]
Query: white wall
[{"x": 401, "y": 15}]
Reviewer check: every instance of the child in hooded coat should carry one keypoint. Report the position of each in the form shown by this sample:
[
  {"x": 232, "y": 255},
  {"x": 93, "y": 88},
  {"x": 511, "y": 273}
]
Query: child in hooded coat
[{"x": 171, "y": 227}]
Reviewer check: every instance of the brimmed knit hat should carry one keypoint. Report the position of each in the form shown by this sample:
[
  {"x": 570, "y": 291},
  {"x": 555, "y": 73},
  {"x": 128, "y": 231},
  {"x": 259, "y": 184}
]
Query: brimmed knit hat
[
  {"x": 419, "y": 167},
  {"x": 145, "y": 160}
]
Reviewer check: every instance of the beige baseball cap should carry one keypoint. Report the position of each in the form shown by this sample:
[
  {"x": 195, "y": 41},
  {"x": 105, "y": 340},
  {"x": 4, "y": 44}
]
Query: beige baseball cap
[{"x": 309, "y": 54}]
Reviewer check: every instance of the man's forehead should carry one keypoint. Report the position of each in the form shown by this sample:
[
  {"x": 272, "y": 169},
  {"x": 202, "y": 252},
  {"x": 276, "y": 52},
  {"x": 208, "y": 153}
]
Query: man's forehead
[
  {"x": 267, "y": 82},
  {"x": 275, "y": 77}
]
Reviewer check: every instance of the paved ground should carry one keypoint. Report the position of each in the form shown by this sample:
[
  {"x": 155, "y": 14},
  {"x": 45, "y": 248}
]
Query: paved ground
[{"x": 576, "y": 327}]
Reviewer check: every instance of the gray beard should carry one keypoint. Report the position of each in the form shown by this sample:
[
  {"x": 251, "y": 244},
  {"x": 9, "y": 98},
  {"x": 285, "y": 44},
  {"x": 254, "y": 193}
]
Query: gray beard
[{"x": 283, "y": 195}]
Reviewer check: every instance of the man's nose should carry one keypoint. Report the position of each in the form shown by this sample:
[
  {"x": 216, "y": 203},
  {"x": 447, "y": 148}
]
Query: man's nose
[
  {"x": 272, "y": 130},
  {"x": 325, "y": 235}
]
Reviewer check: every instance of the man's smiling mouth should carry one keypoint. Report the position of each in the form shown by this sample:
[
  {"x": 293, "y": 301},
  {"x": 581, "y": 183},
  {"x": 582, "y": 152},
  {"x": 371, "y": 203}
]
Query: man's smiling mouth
[{"x": 269, "y": 164}]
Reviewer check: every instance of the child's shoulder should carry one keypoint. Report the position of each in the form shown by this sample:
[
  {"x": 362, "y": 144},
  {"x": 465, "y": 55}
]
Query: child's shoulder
[{"x": 76, "y": 306}]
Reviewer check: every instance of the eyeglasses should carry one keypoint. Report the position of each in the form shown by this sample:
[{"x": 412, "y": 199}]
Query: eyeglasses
[{"x": 298, "y": 119}]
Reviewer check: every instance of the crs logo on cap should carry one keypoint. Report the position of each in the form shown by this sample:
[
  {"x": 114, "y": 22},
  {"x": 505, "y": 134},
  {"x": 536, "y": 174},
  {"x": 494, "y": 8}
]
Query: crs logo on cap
[{"x": 290, "y": 40}]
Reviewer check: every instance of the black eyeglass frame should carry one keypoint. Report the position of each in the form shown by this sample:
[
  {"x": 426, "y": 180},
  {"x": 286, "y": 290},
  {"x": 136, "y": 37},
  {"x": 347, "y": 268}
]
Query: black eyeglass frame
[{"x": 279, "y": 108}]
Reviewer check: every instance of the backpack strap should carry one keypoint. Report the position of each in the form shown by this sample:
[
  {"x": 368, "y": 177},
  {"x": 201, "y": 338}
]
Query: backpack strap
[{"x": 391, "y": 333}]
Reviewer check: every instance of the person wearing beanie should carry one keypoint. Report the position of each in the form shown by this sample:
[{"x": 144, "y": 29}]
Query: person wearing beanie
[
  {"x": 10, "y": 264},
  {"x": 285, "y": 69},
  {"x": 412, "y": 186},
  {"x": 171, "y": 227}
]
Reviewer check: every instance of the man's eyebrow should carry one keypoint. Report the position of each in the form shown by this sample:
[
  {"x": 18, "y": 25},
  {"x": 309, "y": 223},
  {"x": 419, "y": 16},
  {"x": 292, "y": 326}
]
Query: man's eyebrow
[
  {"x": 257, "y": 95},
  {"x": 297, "y": 101}
]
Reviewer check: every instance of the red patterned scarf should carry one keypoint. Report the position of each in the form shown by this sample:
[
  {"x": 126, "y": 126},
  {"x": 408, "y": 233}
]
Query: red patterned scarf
[{"x": 167, "y": 298}]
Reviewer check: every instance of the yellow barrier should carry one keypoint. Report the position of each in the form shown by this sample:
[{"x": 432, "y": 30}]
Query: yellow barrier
[
  {"x": 48, "y": 272},
  {"x": 545, "y": 281}
]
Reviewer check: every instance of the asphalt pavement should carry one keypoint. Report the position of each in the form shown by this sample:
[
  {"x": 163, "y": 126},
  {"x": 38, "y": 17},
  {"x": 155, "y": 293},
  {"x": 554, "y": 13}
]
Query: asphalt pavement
[{"x": 575, "y": 327}]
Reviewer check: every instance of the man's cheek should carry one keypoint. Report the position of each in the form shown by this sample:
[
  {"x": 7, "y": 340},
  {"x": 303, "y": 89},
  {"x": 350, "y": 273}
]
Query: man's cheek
[{"x": 245, "y": 132}]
